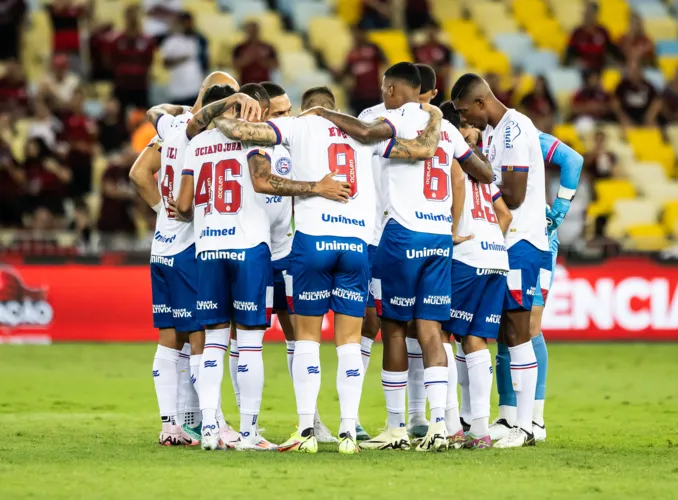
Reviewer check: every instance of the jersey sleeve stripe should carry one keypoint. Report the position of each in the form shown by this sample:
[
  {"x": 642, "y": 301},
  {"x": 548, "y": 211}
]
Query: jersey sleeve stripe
[
  {"x": 465, "y": 155},
  {"x": 496, "y": 196},
  {"x": 390, "y": 124},
  {"x": 187, "y": 171},
  {"x": 278, "y": 135},
  {"x": 389, "y": 147},
  {"x": 258, "y": 151},
  {"x": 513, "y": 168},
  {"x": 552, "y": 150},
  {"x": 157, "y": 120}
]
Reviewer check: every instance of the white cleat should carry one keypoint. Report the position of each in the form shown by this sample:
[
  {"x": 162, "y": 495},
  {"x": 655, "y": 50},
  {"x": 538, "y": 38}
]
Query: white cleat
[
  {"x": 257, "y": 442},
  {"x": 417, "y": 427},
  {"x": 539, "y": 432},
  {"x": 517, "y": 438},
  {"x": 174, "y": 435},
  {"x": 210, "y": 437},
  {"x": 348, "y": 445},
  {"x": 499, "y": 429},
  {"x": 228, "y": 437},
  {"x": 435, "y": 439},
  {"x": 322, "y": 433},
  {"x": 391, "y": 439}
]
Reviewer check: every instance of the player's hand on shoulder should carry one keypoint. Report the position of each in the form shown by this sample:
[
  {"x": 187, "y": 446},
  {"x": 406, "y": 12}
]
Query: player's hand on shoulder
[
  {"x": 333, "y": 190},
  {"x": 315, "y": 110},
  {"x": 173, "y": 212},
  {"x": 250, "y": 109}
]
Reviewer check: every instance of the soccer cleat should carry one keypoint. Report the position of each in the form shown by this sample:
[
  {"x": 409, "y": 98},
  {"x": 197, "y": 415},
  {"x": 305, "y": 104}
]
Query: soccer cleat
[
  {"x": 361, "y": 434},
  {"x": 391, "y": 439},
  {"x": 228, "y": 437},
  {"x": 210, "y": 437},
  {"x": 435, "y": 439},
  {"x": 516, "y": 438},
  {"x": 417, "y": 427},
  {"x": 499, "y": 429},
  {"x": 348, "y": 445},
  {"x": 300, "y": 444},
  {"x": 466, "y": 427},
  {"x": 457, "y": 440},
  {"x": 322, "y": 433},
  {"x": 193, "y": 432},
  {"x": 256, "y": 442},
  {"x": 539, "y": 432},
  {"x": 474, "y": 443},
  {"x": 173, "y": 435}
]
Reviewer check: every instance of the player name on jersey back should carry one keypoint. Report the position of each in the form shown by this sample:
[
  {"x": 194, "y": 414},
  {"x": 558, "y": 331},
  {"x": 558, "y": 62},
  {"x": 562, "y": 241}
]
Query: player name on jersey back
[
  {"x": 317, "y": 148},
  {"x": 514, "y": 146},
  {"x": 171, "y": 236},
  {"x": 228, "y": 213}
]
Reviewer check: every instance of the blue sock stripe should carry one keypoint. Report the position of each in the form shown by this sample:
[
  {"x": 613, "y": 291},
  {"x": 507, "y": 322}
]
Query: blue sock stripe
[
  {"x": 460, "y": 359},
  {"x": 436, "y": 382},
  {"x": 216, "y": 346},
  {"x": 366, "y": 353}
]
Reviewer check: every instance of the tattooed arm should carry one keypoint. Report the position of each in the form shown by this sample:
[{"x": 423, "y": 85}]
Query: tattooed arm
[
  {"x": 365, "y": 132},
  {"x": 423, "y": 146},
  {"x": 250, "y": 110},
  {"x": 238, "y": 130},
  {"x": 164, "y": 109}
]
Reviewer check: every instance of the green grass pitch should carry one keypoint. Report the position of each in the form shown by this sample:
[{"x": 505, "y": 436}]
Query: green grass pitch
[{"x": 80, "y": 421}]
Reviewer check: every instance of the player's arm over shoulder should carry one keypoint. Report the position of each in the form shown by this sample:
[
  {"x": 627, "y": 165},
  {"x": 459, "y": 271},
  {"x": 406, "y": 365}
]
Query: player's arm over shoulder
[
  {"x": 423, "y": 146},
  {"x": 367, "y": 132},
  {"x": 240, "y": 130},
  {"x": 470, "y": 157},
  {"x": 166, "y": 112}
]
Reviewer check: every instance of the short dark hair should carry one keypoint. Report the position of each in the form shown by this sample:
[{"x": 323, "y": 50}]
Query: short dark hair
[
  {"x": 273, "y": 89},
  {"x": 428, "y": 78},
  {"x": 256, "y": 91},
  {"x": 405, "y": 71},
  {"x": 450, "y": 113},
  {"x": 216, "y": 93},
  {"x": 318, "y": 96},
  {"x": 465, "y": 85}
]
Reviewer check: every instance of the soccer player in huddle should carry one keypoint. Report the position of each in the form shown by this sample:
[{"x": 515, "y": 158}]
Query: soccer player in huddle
[
  {"x": 511, "y": 143},
  {"x": 411, "y": 269},
  {"x": 224, "y": 179}
]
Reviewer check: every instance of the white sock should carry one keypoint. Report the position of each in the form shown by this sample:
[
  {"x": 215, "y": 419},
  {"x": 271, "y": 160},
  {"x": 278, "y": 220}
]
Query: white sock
[
  {"x": 435, "y": 381},
  {"x": 538, "y": 414},
  {"x": 193, "y": 415},
  {"x": 250, "y": 378},
  {"x": 233, "y": 356},
  {"x": 184, "y": 385},
  {"x": 366, "y": 351},
  {"x": 508, "y": 413},
  {"x": 166, "y": 381},
  {"x": 462, "y": 377},
  {"x": 416, "y": 392},
  {"x": 306, "y": 378},
  {"x": 479, "y": 366},
  {"x": 212, "y": 373},
  {"x": 394, "y": 385},
  {"x": 290, "y": 355},
  {"x": 221, "y": 421},
  {"x": 350, "y": 377},
  {"x": 452, "y": 409},
  {"x": 524, "y": 378}
]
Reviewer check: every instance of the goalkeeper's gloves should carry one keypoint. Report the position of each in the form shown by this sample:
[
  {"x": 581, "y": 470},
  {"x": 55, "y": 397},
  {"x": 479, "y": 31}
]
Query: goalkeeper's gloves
[{"x": 556, "y": 213}]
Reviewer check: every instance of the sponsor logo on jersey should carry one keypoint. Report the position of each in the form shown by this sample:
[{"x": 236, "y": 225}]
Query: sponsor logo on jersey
[
  {"x": 487, "y": 272},
  {"x": 493, "y": 247},
  {"x": 318, "y": 295},
  {"x": 163, "y": 238},
  {"x": 322, "y": 246},
  {"x": 493, "y": 318},
  {"x": 283, "y": 166},
  {"x": 161, "y": 309},
  {"x": 427, "y": 252},
  {"x": 205, "y": 305},
  {"x": 222, "y": 254},
  {"x": 245, "y": 306},
  {"x": 402, "y": 301},
  {"x": 511, "y": 133},
  {"x": 273, "y": 199},
  {"x": 208, "y": 232},
  {"x": 182, "y": 313},
  {"x": 347, "y": 294},
  {"x": 434, "y": 217},
  {"x": 20, "y": 305},
  {"x": 165, "y": 261},
  {"x": 438, "y": 300},
  {"x": 218, "y": 148},
  {"x": 342, "y": 220},
  {"x": 462, "y": 315}
]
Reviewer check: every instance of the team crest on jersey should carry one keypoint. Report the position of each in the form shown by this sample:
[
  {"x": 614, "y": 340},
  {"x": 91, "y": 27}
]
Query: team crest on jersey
[
  {"x": 492, "y": 153},
  {"x": 283, "y": 166}
]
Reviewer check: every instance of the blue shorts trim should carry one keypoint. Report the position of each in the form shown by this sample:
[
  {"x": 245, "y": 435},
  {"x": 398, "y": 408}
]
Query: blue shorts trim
[
  {"x": 280, "y": 268},
  {"x": 546, "y": 273},
  {"x": 525, "y": 266}
]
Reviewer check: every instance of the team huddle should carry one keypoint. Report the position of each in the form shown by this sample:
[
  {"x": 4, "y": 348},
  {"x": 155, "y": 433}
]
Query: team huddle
[{"x": 429, "y": 225}]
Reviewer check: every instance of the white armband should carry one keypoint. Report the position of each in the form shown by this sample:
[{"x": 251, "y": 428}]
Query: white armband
[{"x": 566, "y": 193}]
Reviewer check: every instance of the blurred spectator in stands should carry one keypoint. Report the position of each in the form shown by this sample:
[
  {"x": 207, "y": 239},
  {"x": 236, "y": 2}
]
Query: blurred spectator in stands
[
  {"x": 600, "y": 162},
  {"x": 80, "y": 135},
  {"x": 59, "y": 85},
  {"x": 505, "y": 96},
  {"x": 13, "y": 90},
  {"x": 112, "y": 132},
  {"x": 82, "y": 224},
  {"x": 117, "y": 200},
  {"x": 591, "y": 102},
  {"x": 376, "y": 14},
  {"x": 160, "y": 17},
  {"x": 100, "y": 46},
  {"x": 47, "y": 179},
  {"x": 44, "y": 125},
  {"x": 68, "y": 18},
  {"x": 12, "y": 181},
  {"x": 184, "y": 53},
  {"x": 635, "y": 44},
  {"x": 590, "y": 43},
  {"x": 254, "y": 59},
  {"x": 540, "y": 105},
  {"x": 417, "y": 14},
  {"x": 636, "y": 100},
  {"x": 437, "y": 55},
  {"x": 669, "y": 111},
  {"x": 12, "y": 17},
  {"x": 363, "y": 67}
]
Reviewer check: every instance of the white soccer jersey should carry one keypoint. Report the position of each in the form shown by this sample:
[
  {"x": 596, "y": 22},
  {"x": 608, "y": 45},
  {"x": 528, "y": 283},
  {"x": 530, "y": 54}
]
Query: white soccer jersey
[
  {"x": 368, "y": 115},
  {"x": 318, "y": 147},
  {"x": 228, "y": 213},
  {"x": 514, "y": 146},
  {"x": 418, "y": 194},
  {"x": 171, "y": 236},
  {"x": 279, "y": 208}
]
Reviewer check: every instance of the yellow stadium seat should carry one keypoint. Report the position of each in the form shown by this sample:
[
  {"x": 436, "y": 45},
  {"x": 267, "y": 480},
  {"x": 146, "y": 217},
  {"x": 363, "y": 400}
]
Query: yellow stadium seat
[
  {"x": 568, "y": 14},
  {"x": 661, "y": 28},
  {"x": 394, "y": 44},
  {"x": 319, "y": 27},
  {"x": 525, "y": 87},
  {"x": 668, "y": 66},
  {"x": 661, "y": 153},
  {"x": 269, "y": 21},
  {"x": 350, "y": 10},
  {"x": 610, "y": 78},
  {"x": 608, "y": 191},
  {"x": 459, "y": 28},
  {"x": 525, "y": 11},
  {"x": 629, "y": 213},
  {"x": 498, "y": 25},
  {"x": 644, "y": 137},
  {"x": 443, "y": 10},
  {"x": 286, "y": 42},
  {"x": 646, "y": 238},
  {"x": 494, "y": 61},
  {"x": 665, "y": 192},
  {"x": 670, "y": 218},
  {"x": 481, "y": 10},
  {"x": 646, "y": 176},
  {"x": 196, "y": 7},
  {"x": 548, "y": 34},
  {"x": 215, "y": 24},
  {"x": 295, "y": 63},
  {"x": 567, "y": 133}
]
